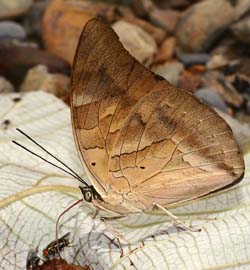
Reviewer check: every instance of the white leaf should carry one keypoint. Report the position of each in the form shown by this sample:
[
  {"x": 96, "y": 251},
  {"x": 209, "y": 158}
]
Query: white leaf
[{"x": 33, "y": 194}]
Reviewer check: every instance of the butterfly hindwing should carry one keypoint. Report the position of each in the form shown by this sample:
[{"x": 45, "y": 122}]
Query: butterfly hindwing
[{"x": 173, "y": 148}]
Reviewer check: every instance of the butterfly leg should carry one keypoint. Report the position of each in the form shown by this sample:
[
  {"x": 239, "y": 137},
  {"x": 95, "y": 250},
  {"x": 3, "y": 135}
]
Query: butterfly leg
[
  {"x": 177, "y": 222},
  {"x": 117, "y": 235}
]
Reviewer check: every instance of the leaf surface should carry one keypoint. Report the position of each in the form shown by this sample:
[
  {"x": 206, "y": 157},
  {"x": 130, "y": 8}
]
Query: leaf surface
[{"x": 33, "y": 194}]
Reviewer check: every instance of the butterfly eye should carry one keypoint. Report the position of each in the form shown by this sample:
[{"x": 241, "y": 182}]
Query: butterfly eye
[{"x": 87, "y": 196}]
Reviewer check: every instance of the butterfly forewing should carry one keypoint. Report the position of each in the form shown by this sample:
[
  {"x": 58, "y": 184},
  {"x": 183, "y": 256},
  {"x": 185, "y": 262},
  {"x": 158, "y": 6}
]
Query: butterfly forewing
[
  {"x": 106, "y": 83},
  {"x": 138, "y": 134}
]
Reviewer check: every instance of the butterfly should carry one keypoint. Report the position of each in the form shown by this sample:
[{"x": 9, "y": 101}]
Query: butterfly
[{"x": 143, "y": 142}]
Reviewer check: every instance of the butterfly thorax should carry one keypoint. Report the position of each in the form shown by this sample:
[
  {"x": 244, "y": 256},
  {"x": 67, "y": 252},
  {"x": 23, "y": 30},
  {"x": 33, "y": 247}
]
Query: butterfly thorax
[{"x": 113, "y": 201}]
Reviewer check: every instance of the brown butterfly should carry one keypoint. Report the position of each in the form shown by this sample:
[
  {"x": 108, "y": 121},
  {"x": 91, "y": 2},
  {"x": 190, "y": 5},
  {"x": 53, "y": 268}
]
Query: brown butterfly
[{"x": 142, "y": 141}]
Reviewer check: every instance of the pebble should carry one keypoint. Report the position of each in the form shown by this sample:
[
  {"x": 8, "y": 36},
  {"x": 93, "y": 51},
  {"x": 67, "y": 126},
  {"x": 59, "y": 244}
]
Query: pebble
[
  {"x": 170, "y": 71},
  {"x": 217, "y": 61},
  {"x": 32, "y": 21},
  {"x": 166, "y": 50},
  {"x": 166, "y": 19},
  {"x": 241, "y": 8},
  {"x": 190, "y": 81},
  {"x": 39, "y": 78},
  {"x": 211, "y": 98},
  {"x": 5, "y": 86},
  {"x": 138, "y": 42},
  {"x": 157, "y": 33},
  {"x": 11, "y": 30},
  {"x": 224, "y": 87},
  {"x": 241, "y": 30},
  {"x": 14, "y": 8},
  {"x": 15, "y": 61},
  {"x": 203, "y": 23},
  {"x": 191, "y": 59},
  {"x": 63, "y": 22}
]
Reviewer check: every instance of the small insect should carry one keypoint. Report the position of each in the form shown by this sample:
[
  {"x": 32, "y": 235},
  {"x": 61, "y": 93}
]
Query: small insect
[
  {"x": 32, "y": 260},
  {"x": 56, "y": 246}
]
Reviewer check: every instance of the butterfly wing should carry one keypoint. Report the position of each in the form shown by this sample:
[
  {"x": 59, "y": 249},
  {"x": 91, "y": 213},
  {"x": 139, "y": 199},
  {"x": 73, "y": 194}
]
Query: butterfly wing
[
  {"x": 106, "y": 84},
  {"x": 173, "y": 148}
]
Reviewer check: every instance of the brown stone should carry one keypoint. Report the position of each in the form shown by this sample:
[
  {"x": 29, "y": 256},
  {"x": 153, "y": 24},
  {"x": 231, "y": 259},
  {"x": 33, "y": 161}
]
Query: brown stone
[
  {"x": 198, "y": 69},
  {"x": 170, "y": 71},
  {"x": 166, "y": 50},
  {"x": 14, "y": 8},
  {"x": 5, "y": 86},
  {"x": 217, "y": 61},
  {"x": 241, "y": 30},
  {"x": 16, "y": 61},
  {"x": 167, "y": 19},
  {"x": 64, "y": 20},
  {"x": 164, "y": 18},
  {"x": 189, "y": 81},
  {"x": 219, "y": 83},
  {"x": 38, "y": 78},
  {"x": 139, "y": 43},
  {"x": 201, "y": 24},
  {"x": 157, "y": 33}
]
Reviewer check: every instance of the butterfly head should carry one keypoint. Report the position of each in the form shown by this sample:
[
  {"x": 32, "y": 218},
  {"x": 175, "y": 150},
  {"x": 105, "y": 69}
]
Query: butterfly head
[{"x": 89, "y": 194}]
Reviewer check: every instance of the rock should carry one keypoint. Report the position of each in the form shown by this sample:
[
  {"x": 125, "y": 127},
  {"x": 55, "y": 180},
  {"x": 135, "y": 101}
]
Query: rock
[
  {"x": 219, "y": 83},
  {"x": 241, "y": 8},
  {"x": 203, "y": 23},
  {"x": 191, "y": 59},
  {"x": 190, "y": 81},
  {"x": 170, "y": 71},
  {"x": 166, "y": 50},
  {"x": 139, "y": 43},
  {"x": 38, "y": 78},
  {"x": 198, "y": 69},
  {"x": 16, "y": 61},
  {"x": 242, "y": 83},
  {"x": 63, "y": 22},
  {"x": 167, "y": 19},
  {"x": 176, "y": 4},
  {"x": 157, "y": 33},
  {"x": 217, "y": 61},
  {"x": 32, "y": 21},
  {"x": 11, "y": 30},
  {"x": 241, "y": 30},
  {"x": 5, "y": 86},
  {"x": 211, "y": 98},
  {"x": 14, "y": 8},
  {"x": 142, "y": 7}
]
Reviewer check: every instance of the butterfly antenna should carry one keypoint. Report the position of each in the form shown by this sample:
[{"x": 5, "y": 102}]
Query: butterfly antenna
[
  {"x": 72, "y": 173},
  {"x": 33, "y": 153}
]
